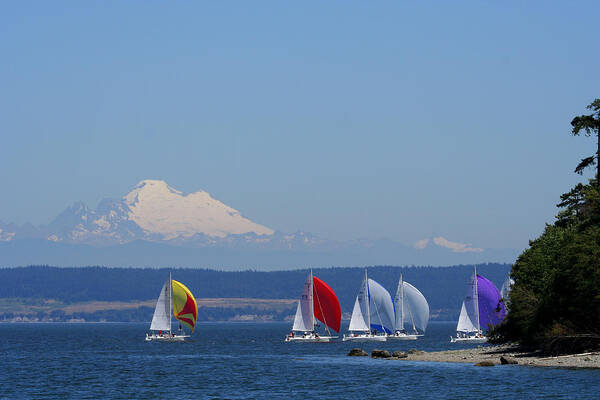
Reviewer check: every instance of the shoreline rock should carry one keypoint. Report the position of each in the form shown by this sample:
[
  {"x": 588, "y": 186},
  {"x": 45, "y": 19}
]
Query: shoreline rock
[
  {"x": 489, "y": 356},
  {"x": 380, "y": 354},
  {"x": 357, "y": 353},
  {"x": 511, "y": 355},
  {"x": 399, "y": 354},
  {"x": 485, "y": 364}
]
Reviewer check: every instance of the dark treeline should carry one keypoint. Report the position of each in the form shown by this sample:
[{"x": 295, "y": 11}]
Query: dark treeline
[{"x": 444, "y": 287}]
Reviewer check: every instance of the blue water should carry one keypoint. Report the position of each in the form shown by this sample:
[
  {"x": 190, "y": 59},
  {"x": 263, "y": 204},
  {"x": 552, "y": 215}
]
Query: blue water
[{"x": 247, "y": 361}]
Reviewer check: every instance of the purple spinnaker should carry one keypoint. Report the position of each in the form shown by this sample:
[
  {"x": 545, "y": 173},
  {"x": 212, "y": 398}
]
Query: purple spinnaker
[{"x": 491, "y": 309}]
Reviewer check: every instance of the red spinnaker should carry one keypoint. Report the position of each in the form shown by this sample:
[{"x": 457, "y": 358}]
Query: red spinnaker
[{"x": 326, "y": 305}]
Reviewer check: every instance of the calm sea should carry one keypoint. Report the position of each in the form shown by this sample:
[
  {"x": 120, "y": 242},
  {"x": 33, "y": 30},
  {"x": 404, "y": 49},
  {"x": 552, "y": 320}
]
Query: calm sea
[{"x": 248, "y": 361}]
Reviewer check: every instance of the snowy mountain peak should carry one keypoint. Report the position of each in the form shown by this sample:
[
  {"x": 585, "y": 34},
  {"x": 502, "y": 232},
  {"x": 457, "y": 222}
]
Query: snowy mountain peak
[
  {"x": 440, "y": 241},
  {"x": 159, "y": 209},
  {"x": 150, "y": 185}
]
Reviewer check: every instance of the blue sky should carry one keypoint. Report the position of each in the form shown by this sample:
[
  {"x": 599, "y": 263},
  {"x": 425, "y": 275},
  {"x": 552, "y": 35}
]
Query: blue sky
[{"x": 344, "y": 119}]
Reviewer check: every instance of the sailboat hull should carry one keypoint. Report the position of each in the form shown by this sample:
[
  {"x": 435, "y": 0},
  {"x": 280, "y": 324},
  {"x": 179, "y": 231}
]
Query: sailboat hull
[
  {"x": 309, "y": 339},
  {"x": 403, "y": 336},
  {"x": 471, "y": 339},
  {"x": 165, "y": 338},
  {"x": 364, "y": 337}
]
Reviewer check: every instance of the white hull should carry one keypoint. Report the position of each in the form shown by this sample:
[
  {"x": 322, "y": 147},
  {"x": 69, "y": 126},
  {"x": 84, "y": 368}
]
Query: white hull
[
  {"x": 469, "y": 339},
  {"x": 403, "y": 336},
  {"x": 309, "y": 338},
  {"x": 165, "y": 338},
  {"x": 364, "y": 337}
]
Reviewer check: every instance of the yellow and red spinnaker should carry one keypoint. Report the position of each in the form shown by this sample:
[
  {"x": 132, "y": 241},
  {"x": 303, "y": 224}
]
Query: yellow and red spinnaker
[{"x": 185, "y": 308}]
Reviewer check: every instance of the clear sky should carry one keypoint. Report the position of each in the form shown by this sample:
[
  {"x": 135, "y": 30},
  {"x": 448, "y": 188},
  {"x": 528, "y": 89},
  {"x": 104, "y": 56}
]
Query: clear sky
[{"x": 344, "y": 119}]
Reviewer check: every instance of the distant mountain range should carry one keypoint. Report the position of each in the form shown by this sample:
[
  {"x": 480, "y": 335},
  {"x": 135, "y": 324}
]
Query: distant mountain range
[{"x": 156, "y": 225}]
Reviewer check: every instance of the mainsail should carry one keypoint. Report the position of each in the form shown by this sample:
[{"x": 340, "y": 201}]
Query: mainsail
[
  {"x": 326, "y": 305},
  {"x": 161, "y": 320},
  {"x": 185, "y": 308},
  {"x": 304, "y": 320},
  {"x": 381, "y": 308},
  {"x": 359, "y": 322},
  {"x": 399, "y": 306},
  {"x": 465, "y": 323}
]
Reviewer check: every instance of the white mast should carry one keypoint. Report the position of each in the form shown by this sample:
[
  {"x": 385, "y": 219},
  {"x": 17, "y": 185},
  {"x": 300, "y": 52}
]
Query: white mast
[
  {"x": 311, "y": 301},
  {"x": 476, "y": 297},
  {"x": 170, "y": 300},
  {"x": 402, "y": 301},
  {"x": 368, "y": 301}
]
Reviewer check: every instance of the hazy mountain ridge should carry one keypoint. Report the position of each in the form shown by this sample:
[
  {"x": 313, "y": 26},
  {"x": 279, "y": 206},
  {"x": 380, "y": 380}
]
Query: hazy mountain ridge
[{"x": 156, "y": 225}]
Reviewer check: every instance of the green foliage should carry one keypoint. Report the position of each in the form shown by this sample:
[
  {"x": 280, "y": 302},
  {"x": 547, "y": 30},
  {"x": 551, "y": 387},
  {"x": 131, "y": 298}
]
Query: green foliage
[
  {"x": 557, "y": 280},
  {"x": 588, "y": 125}
]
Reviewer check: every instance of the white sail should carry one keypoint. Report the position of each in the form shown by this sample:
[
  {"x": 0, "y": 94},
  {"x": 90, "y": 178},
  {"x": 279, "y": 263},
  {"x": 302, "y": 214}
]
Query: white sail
[
  {"x": 161, "y": 321},
  {"x": 506, "y": 286},
  {"x": 304, "y": 320},
  {"x": 399, "y": 306},
  {"x": 415, "y": 307},
  {"x": 381, "y": 307},
  {"x": 359, "y": 321},
  {"x": 465, "y": 323}
]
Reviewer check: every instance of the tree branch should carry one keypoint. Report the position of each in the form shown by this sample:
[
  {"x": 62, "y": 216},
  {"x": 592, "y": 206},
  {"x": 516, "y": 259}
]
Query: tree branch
[{"x": 586, "y": 162}]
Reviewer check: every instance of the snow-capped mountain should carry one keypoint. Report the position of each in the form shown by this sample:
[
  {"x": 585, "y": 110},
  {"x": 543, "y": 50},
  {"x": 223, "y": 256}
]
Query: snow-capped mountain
[
  {"x": 161, "y": 210},
  {"x": 151, "y": 211},
  {"x": 108, "y": 224},
  {"x": 442, "y": 242}
]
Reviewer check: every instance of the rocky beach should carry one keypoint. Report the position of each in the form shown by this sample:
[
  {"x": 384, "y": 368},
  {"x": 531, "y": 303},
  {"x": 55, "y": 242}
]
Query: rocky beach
[{"x": 490, "y": 356}]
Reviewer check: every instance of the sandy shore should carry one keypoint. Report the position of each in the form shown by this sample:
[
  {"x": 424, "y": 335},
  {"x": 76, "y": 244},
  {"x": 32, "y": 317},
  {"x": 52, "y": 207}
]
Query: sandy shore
[{"x": 493, "y": 353}]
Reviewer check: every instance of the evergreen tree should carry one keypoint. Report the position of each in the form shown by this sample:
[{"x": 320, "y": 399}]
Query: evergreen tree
[
  {"x": 589, "y": 125},
  {"x": 557, "y": 279}
]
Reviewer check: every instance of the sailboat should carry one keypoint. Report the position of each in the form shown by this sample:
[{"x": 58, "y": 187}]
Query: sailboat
[
  {"x": 317, "y": 302},
  {"x": 409, "y": 306},
  {"x": 506, "y": 287},
  {"x": 175, "y": 298},
  {"x": 481, "y": 308},
  {"x": 373, "y": 314}
]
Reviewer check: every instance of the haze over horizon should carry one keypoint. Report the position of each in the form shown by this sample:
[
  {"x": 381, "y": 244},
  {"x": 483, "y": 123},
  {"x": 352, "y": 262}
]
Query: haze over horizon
[{"x": 401, "y": 121}]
